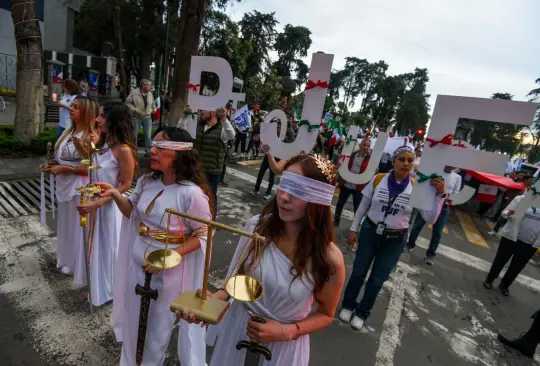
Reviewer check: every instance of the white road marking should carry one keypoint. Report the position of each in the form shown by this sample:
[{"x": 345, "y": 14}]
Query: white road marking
[
  {"x": 443, "y": 250},
  {"x": 390, "y": 335},
  {"x": 475, "y": 262}
]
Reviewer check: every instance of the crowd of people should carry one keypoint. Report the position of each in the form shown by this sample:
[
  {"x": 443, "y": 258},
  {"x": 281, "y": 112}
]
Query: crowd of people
[{"x": 303, "y": 263}]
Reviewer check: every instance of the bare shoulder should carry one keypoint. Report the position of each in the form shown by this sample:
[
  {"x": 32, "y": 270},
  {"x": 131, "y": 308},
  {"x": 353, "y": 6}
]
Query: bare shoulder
[{"x": 335, "y": 255}]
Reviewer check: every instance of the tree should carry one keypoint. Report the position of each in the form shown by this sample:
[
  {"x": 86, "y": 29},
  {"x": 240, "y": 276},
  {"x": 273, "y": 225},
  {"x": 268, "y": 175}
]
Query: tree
[
  {"x": 413, "y": 108},
  {"x": 491, "y": 136},
  {"x": 143, "y": 22},
  {"x": 259, "y": 30},
  {"x": 191, "y": 21},
  {"x": 291, "y": 45},
  {"x": 534, "y": 129},
  {"x": 264, "y": 91},
  {"x": 220, "y": 38},
  {"x": 119, "y": 49},
  {"x": 29, "y": 110}
]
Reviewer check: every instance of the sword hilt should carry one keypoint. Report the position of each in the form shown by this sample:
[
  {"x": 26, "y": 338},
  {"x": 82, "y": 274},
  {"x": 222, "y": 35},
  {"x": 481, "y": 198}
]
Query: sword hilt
[
  {"x": 255, "y": 347},
  {"x": 146, "y": 290}
]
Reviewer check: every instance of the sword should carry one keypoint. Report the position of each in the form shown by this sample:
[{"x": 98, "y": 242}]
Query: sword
[
  {"x": 146, "y": 293},
  {"x": 251, "y": 346}
]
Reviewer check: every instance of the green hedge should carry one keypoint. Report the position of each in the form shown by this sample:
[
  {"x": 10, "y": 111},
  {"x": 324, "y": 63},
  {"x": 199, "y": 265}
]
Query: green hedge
[{"x": 12, "y": 146}]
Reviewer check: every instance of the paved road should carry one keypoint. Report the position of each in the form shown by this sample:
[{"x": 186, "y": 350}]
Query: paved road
[{"x": 438, "y": 315}]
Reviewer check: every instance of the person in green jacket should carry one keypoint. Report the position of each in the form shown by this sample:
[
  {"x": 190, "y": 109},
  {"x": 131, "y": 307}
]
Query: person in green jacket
[{"x": 213, "y": 132}]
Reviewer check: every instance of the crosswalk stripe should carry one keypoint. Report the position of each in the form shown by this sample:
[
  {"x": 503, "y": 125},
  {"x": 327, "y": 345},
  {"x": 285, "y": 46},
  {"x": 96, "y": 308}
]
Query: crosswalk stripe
[
  {"x": 470, "y": 229},
  {"x": 445, "y": 230}
]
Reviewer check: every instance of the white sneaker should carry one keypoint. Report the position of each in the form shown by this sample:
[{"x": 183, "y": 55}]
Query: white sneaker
[
  {"x": 66, "y": 270},
  {"x": 492, "y": 233},
  {"x": 357, "y": 323},
  {"x": 345, "y": 315}
]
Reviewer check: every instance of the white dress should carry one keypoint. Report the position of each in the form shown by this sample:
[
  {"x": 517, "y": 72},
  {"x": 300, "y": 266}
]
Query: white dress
[
  {"x": 106, "y": 235},
  {"x": 283, "y": 300},
  {"x": 185, "y": 197},
  {"x": 69, "y": 231}
]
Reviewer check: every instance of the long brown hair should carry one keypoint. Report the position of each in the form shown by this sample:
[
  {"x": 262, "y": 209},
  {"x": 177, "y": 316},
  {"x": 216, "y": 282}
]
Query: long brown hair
[
  {"x": 88, "y": 112},
  {"x": 316, "y": 233},
  {"x": 187, "y": 164},
  {"x": 119, "y": 127}
]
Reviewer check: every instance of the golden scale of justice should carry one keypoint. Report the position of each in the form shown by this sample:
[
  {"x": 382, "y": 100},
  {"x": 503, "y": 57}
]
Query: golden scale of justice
[
  {"x": 88, "y": 192},
  {"x": 240, "y": 287}
]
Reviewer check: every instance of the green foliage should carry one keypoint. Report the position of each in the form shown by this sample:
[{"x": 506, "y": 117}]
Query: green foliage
[
  {"x": 220, "y": 38},
  {"x": 491, "y": 136},
  {"x": 291, "y": 45},
  {"x": 266, "y": 93},
  {"x": 142, "y": 25},
  {"x": 259, "y": 30},
  {"x": 12, "y": 146}
]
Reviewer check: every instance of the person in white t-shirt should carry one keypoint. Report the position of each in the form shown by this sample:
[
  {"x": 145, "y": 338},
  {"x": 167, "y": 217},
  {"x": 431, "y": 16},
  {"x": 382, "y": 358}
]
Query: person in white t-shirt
[
  {"x": 452, "y": 183},
  {"x": 70, "y": 90},
  {"x": 520, "y": 239},
  {"x": 383, "y": 234}
]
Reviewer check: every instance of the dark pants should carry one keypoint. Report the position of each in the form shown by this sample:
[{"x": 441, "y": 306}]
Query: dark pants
[
  {"x": 500, "y": 223},
  {"x": 265, "y": 165},
  {"x": 436, "y": 234},
  {"x": 518, "y": 253},
  {"x": 213, "y": 182},
  {"x": 222, "y": 177},
  {"x": 240, "y": 139},
  {"x": 384, "y": 254},
  {"x": 344, "y": 194}
]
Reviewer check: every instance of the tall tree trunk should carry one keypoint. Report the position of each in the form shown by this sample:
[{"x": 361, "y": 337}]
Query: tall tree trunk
[
  {"x": 29, "y": 114},
  {"x": 119, "y": 49},
  {"x": 191, "y": 21},
  {"x": 145, "y": 59}
]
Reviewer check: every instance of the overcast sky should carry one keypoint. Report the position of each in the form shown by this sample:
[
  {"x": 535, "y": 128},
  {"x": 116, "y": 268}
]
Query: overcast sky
[{"x": 470, "y": 47}]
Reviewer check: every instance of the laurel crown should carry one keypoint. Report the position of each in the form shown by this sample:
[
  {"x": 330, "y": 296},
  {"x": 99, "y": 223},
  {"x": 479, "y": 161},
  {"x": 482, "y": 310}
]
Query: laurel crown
[{"x": 326, "y": 166}]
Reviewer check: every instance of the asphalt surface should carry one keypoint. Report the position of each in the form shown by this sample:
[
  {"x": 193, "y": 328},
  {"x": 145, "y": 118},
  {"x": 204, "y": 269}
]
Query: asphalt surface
[{"x": 439, "y": 315}]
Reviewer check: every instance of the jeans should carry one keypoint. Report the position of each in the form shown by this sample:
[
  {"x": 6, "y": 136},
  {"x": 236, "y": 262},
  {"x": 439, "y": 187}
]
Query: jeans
[
  {"x": 265, "y": 165},
  {"x": 213, "y": 183},
  {"x": 518, "y": 253},
  {"x": 146, "y": 123},
  {"x": 436, "y": 234},
  {"x": 60, "y": 131},
  {"x": 240, "y": 140},
  {"x": 384, "y": 254},
  {"x": 344, "y": 193}
]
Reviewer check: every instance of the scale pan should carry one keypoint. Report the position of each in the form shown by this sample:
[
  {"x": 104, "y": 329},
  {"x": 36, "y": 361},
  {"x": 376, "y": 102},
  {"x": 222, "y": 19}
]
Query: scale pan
[
  {"x": 244, "y": 288},
  {"x": 172, "y": 258}
]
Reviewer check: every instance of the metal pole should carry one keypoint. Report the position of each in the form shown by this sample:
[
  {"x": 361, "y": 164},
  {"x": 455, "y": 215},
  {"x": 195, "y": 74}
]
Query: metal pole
[
  {"x": 213, "y": 223},
  {"x": 164, "y": 64}
]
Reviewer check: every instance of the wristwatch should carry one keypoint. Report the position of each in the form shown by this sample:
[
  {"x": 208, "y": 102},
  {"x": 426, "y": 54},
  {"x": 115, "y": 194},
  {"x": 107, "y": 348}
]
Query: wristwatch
[{"x": 443, "y": 195}]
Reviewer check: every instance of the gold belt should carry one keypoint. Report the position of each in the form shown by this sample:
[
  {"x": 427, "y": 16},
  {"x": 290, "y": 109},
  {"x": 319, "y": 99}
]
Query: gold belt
[{"x": 160, "y": 236}]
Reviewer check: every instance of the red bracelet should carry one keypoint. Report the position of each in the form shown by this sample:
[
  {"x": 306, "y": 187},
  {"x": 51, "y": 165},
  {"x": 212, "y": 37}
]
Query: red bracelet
[{"x": 298, "y": 329}]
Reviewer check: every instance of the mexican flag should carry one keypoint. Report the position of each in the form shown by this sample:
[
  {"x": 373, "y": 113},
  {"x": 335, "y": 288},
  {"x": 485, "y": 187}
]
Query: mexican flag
[{"x": 487, "y": 193}]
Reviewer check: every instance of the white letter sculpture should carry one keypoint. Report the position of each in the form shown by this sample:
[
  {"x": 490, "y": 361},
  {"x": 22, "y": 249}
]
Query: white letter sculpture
[
  {"x": 315, "y": 95},
  {"x": 196, "y": 101},
  {"x": 374, "y": 160},
  {"x": 448, "y": 109}
]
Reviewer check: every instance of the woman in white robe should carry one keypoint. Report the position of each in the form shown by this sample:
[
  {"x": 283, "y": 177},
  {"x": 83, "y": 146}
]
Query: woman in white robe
[
  {"x": 117, "y": 158},
  {"x": 300, "y": 265},
  {"x": 177, "y": 182},
  {"x": 70, "y": 174}
]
